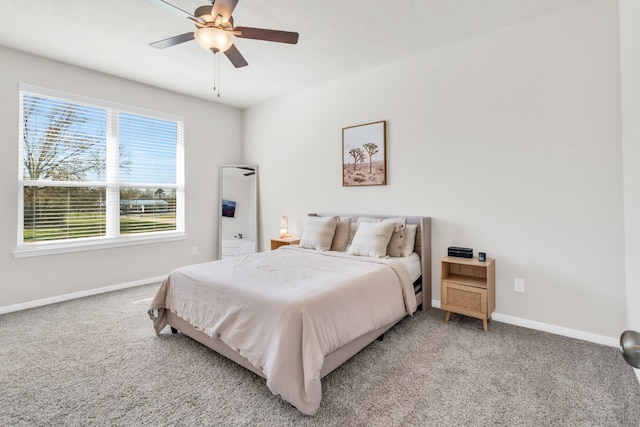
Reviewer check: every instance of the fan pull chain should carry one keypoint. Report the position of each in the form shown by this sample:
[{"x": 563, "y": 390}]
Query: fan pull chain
[
  {"x": 215, "y": 59},
  {"x": 218, "y": 66},
  {"x": 216, "y": 73}
]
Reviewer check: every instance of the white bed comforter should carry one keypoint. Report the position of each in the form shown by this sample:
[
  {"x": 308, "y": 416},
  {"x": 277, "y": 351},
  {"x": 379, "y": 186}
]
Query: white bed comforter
[{"x": 286, "y": 309}]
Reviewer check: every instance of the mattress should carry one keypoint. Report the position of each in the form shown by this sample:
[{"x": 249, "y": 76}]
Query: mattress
[{"x": 413, "y": 264}]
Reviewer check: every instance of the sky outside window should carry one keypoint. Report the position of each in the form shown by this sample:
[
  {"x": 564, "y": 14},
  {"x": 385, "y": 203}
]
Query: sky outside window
[
  {"x": 147, "y": 150},
  {"x": 147, "y": 146}
]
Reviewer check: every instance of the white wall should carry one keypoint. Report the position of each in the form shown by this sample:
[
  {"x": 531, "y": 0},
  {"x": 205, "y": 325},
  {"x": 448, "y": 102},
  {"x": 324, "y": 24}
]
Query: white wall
[
  {"x": 510, "y": 141},
  {"x": 630, "y": 70},
  {"x": 38, "y": 278}
]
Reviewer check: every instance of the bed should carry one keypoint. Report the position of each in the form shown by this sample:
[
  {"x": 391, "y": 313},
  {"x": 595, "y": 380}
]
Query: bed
[{"x": 295, "y": 314}]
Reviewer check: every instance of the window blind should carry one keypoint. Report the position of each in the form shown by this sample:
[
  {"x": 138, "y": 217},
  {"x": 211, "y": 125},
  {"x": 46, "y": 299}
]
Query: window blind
[{"x": 90, "y": 169}]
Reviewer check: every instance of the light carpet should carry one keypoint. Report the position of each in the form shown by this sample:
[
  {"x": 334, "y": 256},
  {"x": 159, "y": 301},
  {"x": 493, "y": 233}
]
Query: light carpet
[{"x": 97, "y": 361}]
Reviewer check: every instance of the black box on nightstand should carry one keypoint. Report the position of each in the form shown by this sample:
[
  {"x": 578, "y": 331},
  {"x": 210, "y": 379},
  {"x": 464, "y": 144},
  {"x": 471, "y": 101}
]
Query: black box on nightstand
[{"x": 460, "y": 252}]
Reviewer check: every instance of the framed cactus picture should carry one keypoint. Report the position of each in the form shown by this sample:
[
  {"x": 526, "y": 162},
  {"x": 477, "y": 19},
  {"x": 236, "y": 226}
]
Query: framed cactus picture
[{"x": 364, "y": 154}]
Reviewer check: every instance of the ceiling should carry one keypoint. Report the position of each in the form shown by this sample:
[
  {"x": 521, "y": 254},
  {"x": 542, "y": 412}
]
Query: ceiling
[{"x": 337, "y": 38}]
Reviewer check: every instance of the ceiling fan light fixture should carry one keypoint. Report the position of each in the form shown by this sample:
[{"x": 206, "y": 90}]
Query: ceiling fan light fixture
[{"x": 216, "y": 39}]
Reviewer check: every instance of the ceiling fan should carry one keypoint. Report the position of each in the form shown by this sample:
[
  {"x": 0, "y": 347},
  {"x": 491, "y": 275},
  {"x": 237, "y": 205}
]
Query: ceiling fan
[{"x": 215, "y": 30}]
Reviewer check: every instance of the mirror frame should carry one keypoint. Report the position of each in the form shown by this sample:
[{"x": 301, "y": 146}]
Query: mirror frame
[{"x": 221, "y": 170}]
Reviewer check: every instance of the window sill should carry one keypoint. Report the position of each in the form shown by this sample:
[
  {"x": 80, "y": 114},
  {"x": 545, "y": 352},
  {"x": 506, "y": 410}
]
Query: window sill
[{"x": 41, "y": 249}]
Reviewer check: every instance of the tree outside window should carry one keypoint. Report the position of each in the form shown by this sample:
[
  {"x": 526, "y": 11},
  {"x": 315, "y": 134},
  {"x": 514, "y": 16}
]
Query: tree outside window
[{"x": 80, "y": 179}]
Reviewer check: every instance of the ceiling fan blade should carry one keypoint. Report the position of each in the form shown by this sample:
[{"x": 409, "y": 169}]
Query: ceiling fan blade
[
  {"x": 174, "y": 9},
  {"x": 224, "y": 8},
  {"x": 267, "y": 35},
  {"x": 172, "y": 41},
  {"x": 235, "y": 57}
]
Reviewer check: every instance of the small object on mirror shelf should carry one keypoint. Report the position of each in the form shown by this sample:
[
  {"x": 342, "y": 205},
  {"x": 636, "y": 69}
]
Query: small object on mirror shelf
[
  {"x": 482, "y": 256},
  {"x": 630, "y": 348}
]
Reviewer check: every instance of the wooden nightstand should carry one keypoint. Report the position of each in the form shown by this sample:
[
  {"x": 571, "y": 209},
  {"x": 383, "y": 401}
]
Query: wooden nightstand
[
  {"x": 280, "y": 241},
  {"x": 468, "y": 287}
]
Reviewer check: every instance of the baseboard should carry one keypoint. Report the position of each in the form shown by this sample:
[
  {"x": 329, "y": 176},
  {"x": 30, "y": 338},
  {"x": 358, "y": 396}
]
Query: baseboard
[
  {"x": 89, "y": 292},
  {"x": 553, "y": 329}
]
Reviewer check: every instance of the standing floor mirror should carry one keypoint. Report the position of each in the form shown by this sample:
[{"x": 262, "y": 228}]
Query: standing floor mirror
[{"x": 238, "y": 215}]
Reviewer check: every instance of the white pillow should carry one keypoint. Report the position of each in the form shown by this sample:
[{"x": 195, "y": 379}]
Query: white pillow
[
  {"x": 394, "y": 248},
  {"x": 399, "y": 221},
  {"x": 409, "y": 239},
  {"x": 371, "y": 239},
  {"x": 318, "y": 233}
]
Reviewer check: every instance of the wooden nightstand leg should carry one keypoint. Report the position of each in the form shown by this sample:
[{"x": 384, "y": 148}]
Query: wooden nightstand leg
[
  {"x": 446, "y": 316},
  {"x": 484, "y": 325}
]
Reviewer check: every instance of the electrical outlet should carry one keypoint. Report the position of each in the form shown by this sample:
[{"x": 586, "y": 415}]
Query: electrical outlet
[
  {"x": 194, "y": 250},
  {"x": 518, "y": 285}
]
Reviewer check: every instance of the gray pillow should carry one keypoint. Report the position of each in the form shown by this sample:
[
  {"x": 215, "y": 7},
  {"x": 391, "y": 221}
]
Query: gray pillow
[
  {"x": 341, "y": 237},
  {"x": 409, "y": 239}
]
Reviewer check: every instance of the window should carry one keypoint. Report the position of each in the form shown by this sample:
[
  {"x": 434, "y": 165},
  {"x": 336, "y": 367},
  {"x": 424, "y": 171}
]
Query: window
[{"x": 93, "y": 173}]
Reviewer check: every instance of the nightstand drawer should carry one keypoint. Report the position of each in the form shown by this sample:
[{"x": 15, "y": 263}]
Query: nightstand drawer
[{"x": 463, "y": 299}]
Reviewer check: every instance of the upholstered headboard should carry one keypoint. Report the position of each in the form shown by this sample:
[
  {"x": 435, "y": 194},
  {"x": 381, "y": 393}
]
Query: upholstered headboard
[{"x": 422, "y": 246}]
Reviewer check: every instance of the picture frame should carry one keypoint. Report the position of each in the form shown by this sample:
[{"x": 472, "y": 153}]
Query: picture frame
[
  {"x": 364, "y": 154},
  {"x": 228, "y": 208}
]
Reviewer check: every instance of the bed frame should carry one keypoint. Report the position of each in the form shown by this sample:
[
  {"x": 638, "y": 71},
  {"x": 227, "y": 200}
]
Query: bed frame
[{"x": 344, "y": 353}]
